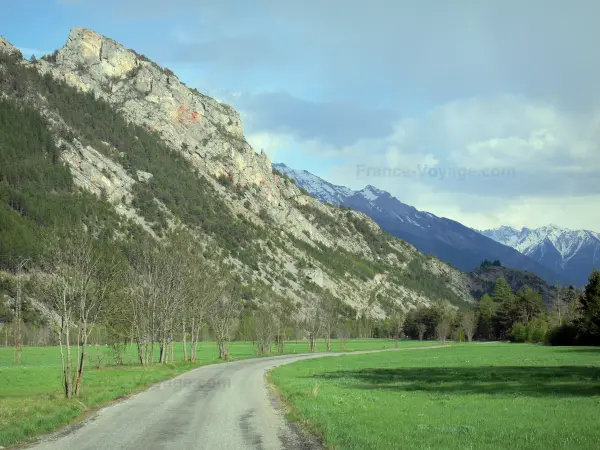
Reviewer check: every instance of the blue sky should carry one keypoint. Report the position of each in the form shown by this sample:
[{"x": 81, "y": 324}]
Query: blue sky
[{"x": 507, "y": 88}]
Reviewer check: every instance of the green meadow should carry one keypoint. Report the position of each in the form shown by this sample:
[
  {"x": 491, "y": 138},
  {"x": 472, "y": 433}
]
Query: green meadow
[
  {"x": 31, "y": 399},
  {"x": 466, "y": 396}
]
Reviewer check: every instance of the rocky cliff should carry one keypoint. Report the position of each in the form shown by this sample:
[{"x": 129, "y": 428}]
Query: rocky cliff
[{"x": 302, "y": 248}]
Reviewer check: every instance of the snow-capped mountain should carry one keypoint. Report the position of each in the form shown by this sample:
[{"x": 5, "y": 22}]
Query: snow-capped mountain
[
  {"x": 317, "y": 187},
  {"x": 447, "y": 239},
  {"x": 573, "y": 253}
]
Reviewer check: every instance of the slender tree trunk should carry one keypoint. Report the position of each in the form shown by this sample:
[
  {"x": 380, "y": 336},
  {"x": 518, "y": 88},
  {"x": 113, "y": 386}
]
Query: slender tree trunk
[
  {"x": 62, "y": 358},
  {"x": 161, "y": 354},
  {"x": 69, "y": 371},
  {"x": 185, "y": 355},
  {"x": 223, "y": 353},
  {"x": 79, "y": 379},
  {"x": 311, "y": 343},
  {"x": 193, "y": 340},
  {"x": 140, "y": 351}
]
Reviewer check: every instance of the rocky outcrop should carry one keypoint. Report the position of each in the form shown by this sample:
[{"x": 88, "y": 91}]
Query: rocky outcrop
[{"x": 7, "y": 48}]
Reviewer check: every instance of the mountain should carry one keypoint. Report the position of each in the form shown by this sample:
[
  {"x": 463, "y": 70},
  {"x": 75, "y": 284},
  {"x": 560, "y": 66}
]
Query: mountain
[
  {"x": 571, "y": 253},
  {"x": 447, "y": 239},
  {"x": 99, "y": 134}
]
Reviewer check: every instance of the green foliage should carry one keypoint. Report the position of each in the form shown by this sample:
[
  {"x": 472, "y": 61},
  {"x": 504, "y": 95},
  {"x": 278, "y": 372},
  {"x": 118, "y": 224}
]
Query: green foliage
[
  {"x": 590, "y": 301},
  {"x": 224, "y": 180},
  {"x": 534, "y": 331},
  {"x": 37, "y": 195},
  {"x": 502, "y": 291},
  {"x": 320, "y": 218},
  {"x": 487, "y": 310},
  {"x": 487, "y": 263},
  {"x": 584, "y": 330},
  {"x": 339, "y": 261},
  {"x": 415, "y": 276},
  {"x": 429, "y": 316}
]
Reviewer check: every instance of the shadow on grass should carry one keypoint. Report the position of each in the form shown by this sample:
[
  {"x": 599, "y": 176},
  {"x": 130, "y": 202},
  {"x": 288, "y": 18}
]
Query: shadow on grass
[
  {"x": 565, "y": 381},
  {"x": 580, "y": 349}
]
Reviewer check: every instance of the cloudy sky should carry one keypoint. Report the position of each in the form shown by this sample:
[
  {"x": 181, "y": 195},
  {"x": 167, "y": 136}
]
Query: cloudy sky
[{"x": 486, "y": 112}]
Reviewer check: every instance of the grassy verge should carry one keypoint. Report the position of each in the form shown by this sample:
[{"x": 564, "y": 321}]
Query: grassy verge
[
  {"x": 31, "y": 401},
  {"x": 471, "y": 396}
]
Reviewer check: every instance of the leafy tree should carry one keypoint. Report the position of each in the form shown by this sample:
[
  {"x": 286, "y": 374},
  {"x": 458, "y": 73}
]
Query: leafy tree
[{"x": 528, "y": 304}]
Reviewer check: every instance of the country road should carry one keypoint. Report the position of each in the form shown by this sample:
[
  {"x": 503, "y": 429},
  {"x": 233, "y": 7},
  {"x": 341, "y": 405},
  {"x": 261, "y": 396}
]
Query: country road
[{"x": 223, "y": 406}]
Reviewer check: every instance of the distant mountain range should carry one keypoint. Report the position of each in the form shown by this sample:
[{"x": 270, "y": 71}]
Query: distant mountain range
[
  {"x": 447, "y": 239},
  {"x": 570, "y": 253}
]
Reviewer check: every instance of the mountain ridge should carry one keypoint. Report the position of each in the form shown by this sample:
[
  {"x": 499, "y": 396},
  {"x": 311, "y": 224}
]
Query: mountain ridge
[
  {"x": 572, "y": 252},
  {"x": 445, "y": 238}
]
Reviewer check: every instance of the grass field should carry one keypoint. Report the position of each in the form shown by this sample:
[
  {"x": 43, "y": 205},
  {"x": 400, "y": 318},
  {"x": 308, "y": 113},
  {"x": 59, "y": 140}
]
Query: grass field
[
  {"x": 467, "y": 396},
  {"x": 32, "y": 403}
]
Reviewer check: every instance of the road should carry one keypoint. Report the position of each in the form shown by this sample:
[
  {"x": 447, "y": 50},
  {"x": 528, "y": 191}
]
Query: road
[{"x": 222, "y": 406}]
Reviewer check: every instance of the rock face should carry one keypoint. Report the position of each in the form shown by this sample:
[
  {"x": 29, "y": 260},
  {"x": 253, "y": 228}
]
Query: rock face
[
  {"x": 7, "y": 48},
  {"x": 316, "y": 237},
  {"x": 147, "y": 94}
]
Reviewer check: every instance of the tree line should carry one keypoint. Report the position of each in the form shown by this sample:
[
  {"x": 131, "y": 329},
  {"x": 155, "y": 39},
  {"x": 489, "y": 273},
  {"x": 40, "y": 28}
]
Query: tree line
[{"x": 572, "y": 318}]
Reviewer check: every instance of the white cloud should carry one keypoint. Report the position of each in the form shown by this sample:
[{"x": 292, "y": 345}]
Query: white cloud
[{"x": 553, "y": 155}]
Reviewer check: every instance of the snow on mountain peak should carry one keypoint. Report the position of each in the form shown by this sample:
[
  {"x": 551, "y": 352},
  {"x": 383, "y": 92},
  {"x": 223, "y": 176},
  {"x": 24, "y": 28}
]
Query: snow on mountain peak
[
  {"x": 371, "y": 193},
  {"x": 316, "y": 186},
  {"x": 568, "y": 243}
]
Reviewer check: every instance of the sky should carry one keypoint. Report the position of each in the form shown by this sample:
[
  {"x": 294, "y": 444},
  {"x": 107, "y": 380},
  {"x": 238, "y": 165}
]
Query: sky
[{"x": 485, "y": 112}]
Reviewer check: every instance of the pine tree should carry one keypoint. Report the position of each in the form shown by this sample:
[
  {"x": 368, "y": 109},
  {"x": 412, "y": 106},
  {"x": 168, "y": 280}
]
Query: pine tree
[
  {"x": 529, "y": 304},
  {"x": 502, "y": 291},
  {"x": 487, "y": 309},
  {"x": 590, "y": 301}
]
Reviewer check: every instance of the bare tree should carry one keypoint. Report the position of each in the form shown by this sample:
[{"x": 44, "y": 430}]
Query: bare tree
[
  {"x": 224, "y": 317},
  {"x": 344, "y": 331},
  {"x": 18, "y": 311},
  {"x": 313, "y": 323},
  {"x": 203, "y": 295},
  {"x": 330, "y": 316},
  {"x": 469, "y": 323},
  {"x": 146, "y": 266},
  {"x": 265, "y": 327},
  {"x": 443, "y": 329},
  {"x": 161, "y": 288},
  {"x": 397, "y": 323},
  {"x": 78, "y": 290},
  {"x": 421, "y": 329}
]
